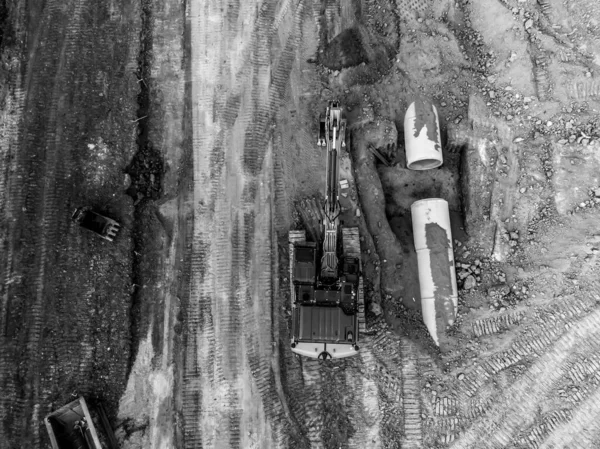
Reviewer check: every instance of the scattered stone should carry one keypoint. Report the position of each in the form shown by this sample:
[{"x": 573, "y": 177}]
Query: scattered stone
[
  {"x": 469, "y": 282},
  {"x": 498, "y": 290},
  {"x": 518, "y": 139},
  {"x": 375, "y": 308}
]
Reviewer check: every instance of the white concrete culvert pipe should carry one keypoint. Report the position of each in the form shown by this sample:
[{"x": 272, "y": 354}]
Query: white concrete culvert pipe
[
  {"x": 435, "y": 258},
  {"x": 422, "y": 136}
]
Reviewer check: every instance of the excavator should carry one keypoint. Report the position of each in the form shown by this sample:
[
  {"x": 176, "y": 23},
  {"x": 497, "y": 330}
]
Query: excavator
[{"x": 326, "y": 280}]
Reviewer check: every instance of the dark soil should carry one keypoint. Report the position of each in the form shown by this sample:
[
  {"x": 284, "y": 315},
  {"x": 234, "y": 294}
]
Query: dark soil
[
  {"x": 345, "y": 50},
  {"x": 146, "y": 171},
  {"x": 66, "y": 330},
  {"x": 5, "y": 24}
]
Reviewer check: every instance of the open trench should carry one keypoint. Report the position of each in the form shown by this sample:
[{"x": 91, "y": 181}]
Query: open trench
[
  {"x": 386, "y": 192},
  {"x": 145, "y": 172}
]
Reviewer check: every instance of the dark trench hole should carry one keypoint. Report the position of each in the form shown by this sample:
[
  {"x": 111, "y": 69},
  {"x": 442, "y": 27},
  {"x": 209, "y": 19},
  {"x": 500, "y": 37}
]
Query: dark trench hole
[
  {"x": 5, "y": 23},
  {"x": 146, "y": 172}
]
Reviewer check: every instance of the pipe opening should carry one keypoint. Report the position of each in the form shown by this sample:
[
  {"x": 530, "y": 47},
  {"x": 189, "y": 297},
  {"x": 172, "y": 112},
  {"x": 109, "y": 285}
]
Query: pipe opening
[{"x": 424, "y": 164}]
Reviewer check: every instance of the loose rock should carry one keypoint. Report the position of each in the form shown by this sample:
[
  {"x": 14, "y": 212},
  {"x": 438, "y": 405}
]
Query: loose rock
[{"x": 469, "y": 283}]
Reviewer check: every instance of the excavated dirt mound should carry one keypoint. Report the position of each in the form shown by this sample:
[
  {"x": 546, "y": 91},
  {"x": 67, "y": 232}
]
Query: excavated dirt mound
[{"x": 344, "y": 50}]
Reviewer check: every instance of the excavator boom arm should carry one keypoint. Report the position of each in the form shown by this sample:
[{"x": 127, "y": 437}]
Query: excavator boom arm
[{"x": 332, "y": 136}]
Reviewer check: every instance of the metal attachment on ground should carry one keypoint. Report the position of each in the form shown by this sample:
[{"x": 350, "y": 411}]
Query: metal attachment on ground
[
  {"x": 379, "y": 156},
  {"x": 105, "y": 227}
]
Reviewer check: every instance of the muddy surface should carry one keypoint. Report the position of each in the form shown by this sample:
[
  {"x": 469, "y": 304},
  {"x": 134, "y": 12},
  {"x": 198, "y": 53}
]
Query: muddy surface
[{"x": 194, "y": 125}]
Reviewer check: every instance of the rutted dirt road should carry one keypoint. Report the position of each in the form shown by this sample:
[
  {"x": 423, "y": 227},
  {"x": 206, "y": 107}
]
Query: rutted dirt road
[{"x": 228, "y": 380}]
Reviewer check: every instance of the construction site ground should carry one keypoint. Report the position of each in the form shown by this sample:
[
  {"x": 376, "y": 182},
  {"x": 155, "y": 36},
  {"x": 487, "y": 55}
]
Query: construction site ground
[{"x": 193, "y": 123}]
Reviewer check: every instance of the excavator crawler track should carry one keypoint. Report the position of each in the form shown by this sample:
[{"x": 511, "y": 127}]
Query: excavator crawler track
[
  {"x": 351, "y": 247},
  {"x": 351, "y": 242},
  {"x": 294, "y": 238}
]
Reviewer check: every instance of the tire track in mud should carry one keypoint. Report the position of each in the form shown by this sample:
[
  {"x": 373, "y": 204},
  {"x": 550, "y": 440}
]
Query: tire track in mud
[
  {"x": 201, "y": 360},
  {"x": 378, "y": 413},
  {"x": 365, "y": 406},
  {"x": 208, "y": 168},
  {"x": 411, "y": 396},
  {"x": 312, "y": 380},
  {"x": 259, "y": 327},
  {"x": 578, "y": 429},
  {"x": 43, "y": 194},
  {"x": 10, "y": 141},
  {"x": 506, "y": 415},
  {"x": 496, "y": 324},
  {"x": 553, "y": 320},
  {"x": 257, "y": 136},
  {"x": 256, "y": 144},
  {"x": 536, "y": 435},
  {"x": 81, "y": 297}
]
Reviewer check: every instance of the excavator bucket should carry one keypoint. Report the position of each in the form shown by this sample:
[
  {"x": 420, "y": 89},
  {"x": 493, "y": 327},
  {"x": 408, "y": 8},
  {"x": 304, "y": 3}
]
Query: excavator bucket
[
  {"x": 105, "y": 227},
  {"x": 321, "y": 142}
]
